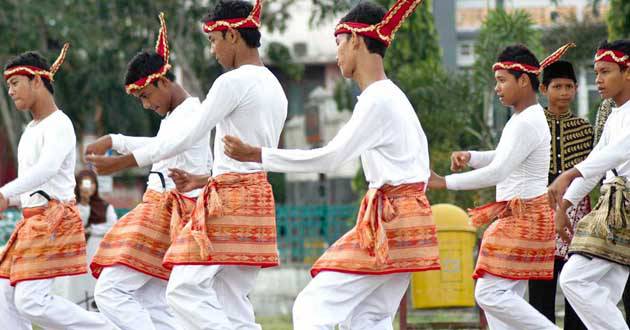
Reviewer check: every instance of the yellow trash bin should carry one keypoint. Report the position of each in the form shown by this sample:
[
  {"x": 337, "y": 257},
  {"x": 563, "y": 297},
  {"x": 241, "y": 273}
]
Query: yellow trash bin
[{"x": 452, "y": 286}]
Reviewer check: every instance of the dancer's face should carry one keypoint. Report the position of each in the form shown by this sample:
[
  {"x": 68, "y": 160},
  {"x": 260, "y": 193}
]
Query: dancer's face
[
  {"x": 223, "y": 45},
  {"x": 22, "y": 91},
  {"x": 610, "y": 79},
  {"x": 155, "y": 98},
  {"x": 346, "y": 54},
  {"x": 507, "y": 87}
]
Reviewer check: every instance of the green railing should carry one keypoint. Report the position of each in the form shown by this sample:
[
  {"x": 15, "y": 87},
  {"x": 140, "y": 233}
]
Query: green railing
[
  {"x": 10, "y": 217},
  {"x": 304, "y": 232}
]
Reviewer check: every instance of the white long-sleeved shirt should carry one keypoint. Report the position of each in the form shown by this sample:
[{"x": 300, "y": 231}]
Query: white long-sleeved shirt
[
  {"x": 612, "y": 151},
  {"x": 383, "y": 130},
  {"x": 247, "y": 102},
  {"x": 46, "y": 161},
  {"x": 196, "y": 158},
  {"x": 519, "y": 165}
]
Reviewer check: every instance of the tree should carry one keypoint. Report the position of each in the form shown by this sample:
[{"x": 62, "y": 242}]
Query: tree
[
  {"x": 499, "y": 30},
  {"x": 619, "y": 19},
  {"x": 104, "y": 36},
  {"x": 586, "y": 34}
]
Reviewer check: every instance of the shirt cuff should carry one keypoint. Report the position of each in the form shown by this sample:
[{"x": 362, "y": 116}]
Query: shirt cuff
[
  {"x": 6, "y": 193},
  {"x": 117, "y": 141},
  {"x": 474, "y": 161},
  {"x": 15, "y": 201},
  {"x": 451, "y": 182},
  {"x": 143, "y": 157},
  {"x": 584, "y": 170},
  {"x": 574, "y": 200},
  {"x": 264, "y": 158}
]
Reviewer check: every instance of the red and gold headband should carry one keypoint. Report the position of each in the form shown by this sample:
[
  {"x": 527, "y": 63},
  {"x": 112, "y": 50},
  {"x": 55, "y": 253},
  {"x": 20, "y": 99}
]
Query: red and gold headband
[
  {"x": 613, "y": 56},
  {"x": 385, "y": 30},
  {"x": 251, "y": 21},
  {"x": 27, "y": 70},
  {"x": 161, "y": 48},
  {"x": 530, "y": 68}
]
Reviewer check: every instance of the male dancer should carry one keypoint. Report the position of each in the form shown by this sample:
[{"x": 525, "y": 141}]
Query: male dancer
[
  {"x": 520, "y": 245},
  {"x": 593, "y": 279},
  {"x": 360, "y": 280},
  {"x": 131, "y": 287},
  {"x": 232, "y": 234},
  {"x": 49, "y": 241}
]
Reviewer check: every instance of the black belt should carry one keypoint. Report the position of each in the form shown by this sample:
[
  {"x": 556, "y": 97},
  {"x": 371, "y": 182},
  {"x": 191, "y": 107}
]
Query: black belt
[
  {"x": 42, "y": 193},
  {"x": 161, "y": 178}
]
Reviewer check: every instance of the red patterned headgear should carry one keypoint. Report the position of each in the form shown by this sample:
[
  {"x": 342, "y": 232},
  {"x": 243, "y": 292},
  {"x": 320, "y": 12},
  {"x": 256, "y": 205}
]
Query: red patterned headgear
[
  {"x": 612, "y": 56},
  {"x": 28, "y": 70},
  {"x": 384, "y": 30},
  {"x": 251, "y": 21},
  {"x": 515, "y": 66},
  {"x": 161, "y": 48}
]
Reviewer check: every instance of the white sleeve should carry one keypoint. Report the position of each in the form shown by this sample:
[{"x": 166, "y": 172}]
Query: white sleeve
[
  {"x": 607, "y": 158},
  {"x": 126, "y": 144},
  {"x": 59, "y": 141},
  {"x": 581, "y": 187},
  {"x": 222, "y": 99},
  {"x": 15, "y": 201},
  {"x": 101, "y": 229},
  {"x": 363, "y": 131},
  {"x": 510, "y": 153},
  {"x": 479, "y": 159}
]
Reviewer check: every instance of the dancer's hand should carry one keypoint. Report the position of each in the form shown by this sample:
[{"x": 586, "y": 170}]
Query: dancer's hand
[
  {"x": 556, "y": 190},
  {"x": 237, "y": 149},
  {"x": 185, "y": 182},
  {"x": 107, "y": 165},
  {"x": 563, "y": 225},
  {"x": 100, "y": 146},
  {"x": 459, "y": 160},
  {"x": 436, "y": 182}
]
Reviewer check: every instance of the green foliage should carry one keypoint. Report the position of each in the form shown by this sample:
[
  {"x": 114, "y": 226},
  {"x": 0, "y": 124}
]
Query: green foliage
[
  {"x": 415, "y": 42},
  {"x": 104, "y": 36},
  {"x": 343, "y": 95},
  {"x": 619, "y": 19},
  {"x": 280, "y": 57},
  {"x": 586, "y": 34},
  {"x": 499, "y": 30}
]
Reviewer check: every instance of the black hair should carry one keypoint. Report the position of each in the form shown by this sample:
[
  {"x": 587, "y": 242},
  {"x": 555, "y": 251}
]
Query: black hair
[
  {"x": 34, "y": 59},
  {"x": 521, "y": 54},
  {"x": 144, "y": 64},
  {"x": 228, "y": 9},
  {"x": 622, "y": 45},
  {"x": 368, "y": 13},
  {"x": 559, "y": 69}
]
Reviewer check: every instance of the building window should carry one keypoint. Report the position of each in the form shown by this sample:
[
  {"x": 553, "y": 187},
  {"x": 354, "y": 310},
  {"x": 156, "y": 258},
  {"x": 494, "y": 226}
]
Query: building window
[{"x": 465, "y": 50}]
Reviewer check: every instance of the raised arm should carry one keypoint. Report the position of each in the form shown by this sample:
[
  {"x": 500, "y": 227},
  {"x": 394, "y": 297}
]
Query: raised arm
[
  {"x": 365, "y": 130},
  {"x": 512, "y": 150},
  {"x": 222, "y": 99}
]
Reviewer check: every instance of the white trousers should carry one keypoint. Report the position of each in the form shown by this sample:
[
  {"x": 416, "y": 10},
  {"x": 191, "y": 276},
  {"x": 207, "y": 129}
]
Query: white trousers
[
  {"x": 30, "y": 302},
  {"x": 213, "y": 297},
  {"x": 594, "y": 287},
  {"x": 133, "y": 300},
  {"x": 502, "y": 301},
  {"x": 357, "y": 302}
]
